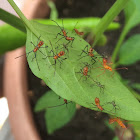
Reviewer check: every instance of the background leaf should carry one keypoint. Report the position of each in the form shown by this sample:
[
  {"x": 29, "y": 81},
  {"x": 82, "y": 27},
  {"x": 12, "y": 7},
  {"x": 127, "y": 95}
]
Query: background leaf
[
  {"x": 50, "y": 98},
  {"x": 132, "y": 13},
  {"x": 69, "y": 84},
  {"x": 58, "y": 116},
  {"x": 136, "y": 127},
  {"x": 11, "y": 38},
  {"x": 136, "y": 86},
  {"x": 130, "y": 51},
  {"x": 115, "y": 138}
]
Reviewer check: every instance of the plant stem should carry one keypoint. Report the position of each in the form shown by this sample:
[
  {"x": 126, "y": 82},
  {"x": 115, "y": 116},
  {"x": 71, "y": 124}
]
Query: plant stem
[
  {"x": 118, "y": 45},
  {"x": 54, "y": 12},
  {"x": 12, "y": 20},
  {"x": 108, "y": 18},
  {"x": 24, "y": 19}
]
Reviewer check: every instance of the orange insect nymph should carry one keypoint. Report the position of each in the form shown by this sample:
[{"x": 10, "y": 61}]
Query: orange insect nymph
[
  {"x": 97, "y": 102},
  {"x": 107, "y": 67},
  {"x": 118, "y": 120},
  {"x": 85, "y": 71},
  {"x": 35, "y": 49},
  {"x": 79, "y": 33},
  {"x": 100, "y": 107},
  {"x": 56, "y": 57},
  {"x": 90, "y": 52},
  {"x": 40, "y": 43},
  {"x": 112, "y": 120},
  {"x": 64, "y": 32},
  {"x": 65, "y": 101},
  {"x": 104, "y": 61},
  {"x": 69, "y": 38},
  {"x": 62, "y": 29},
  {"x": 61, "y": 53},
  {"x": 120, "y": 123}
]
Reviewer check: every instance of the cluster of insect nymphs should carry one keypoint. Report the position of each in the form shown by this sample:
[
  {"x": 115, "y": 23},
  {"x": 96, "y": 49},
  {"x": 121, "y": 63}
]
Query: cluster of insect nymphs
[{"x": 84, "y": 71}]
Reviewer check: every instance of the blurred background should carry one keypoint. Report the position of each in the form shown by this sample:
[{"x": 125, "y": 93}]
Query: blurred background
[{"x": 86, "y": 124}]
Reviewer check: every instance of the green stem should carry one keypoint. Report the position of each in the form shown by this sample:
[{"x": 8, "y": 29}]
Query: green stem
[
  {"x": 12, "y": 20},
  {"x": 54, "y": 12},
  {"x": 87, "y": 24},
  {"x": 24, "y": 19},
  {"x": 118, "y": 45},
  {"x": 108, "y": 18}
]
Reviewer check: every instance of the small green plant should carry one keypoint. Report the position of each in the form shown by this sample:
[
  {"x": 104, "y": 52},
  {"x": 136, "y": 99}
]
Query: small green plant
[{"x": 61, "y": 72}]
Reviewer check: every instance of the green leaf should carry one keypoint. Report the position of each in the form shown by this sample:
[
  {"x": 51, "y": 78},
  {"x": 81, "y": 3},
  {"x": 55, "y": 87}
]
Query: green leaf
[
  {"x": 73, "y": 86},
  {"x": 58, "y": 117},
  {"x": 11, "y": 38},
  {"x": 132, "y": 14},
  {"x": 136, "y": 86},
  {"x": 58, "y": 114},
  {"x": 111, "y": 127},
  {"x": 87, "y": 23},
  {"x": 67, "y": 82},
  {"x": 47, "y": 100},
  {"x": 136, "y": 127},
  {"x": 129, "y": 52},
  {"x": 115, "y": 138}
]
